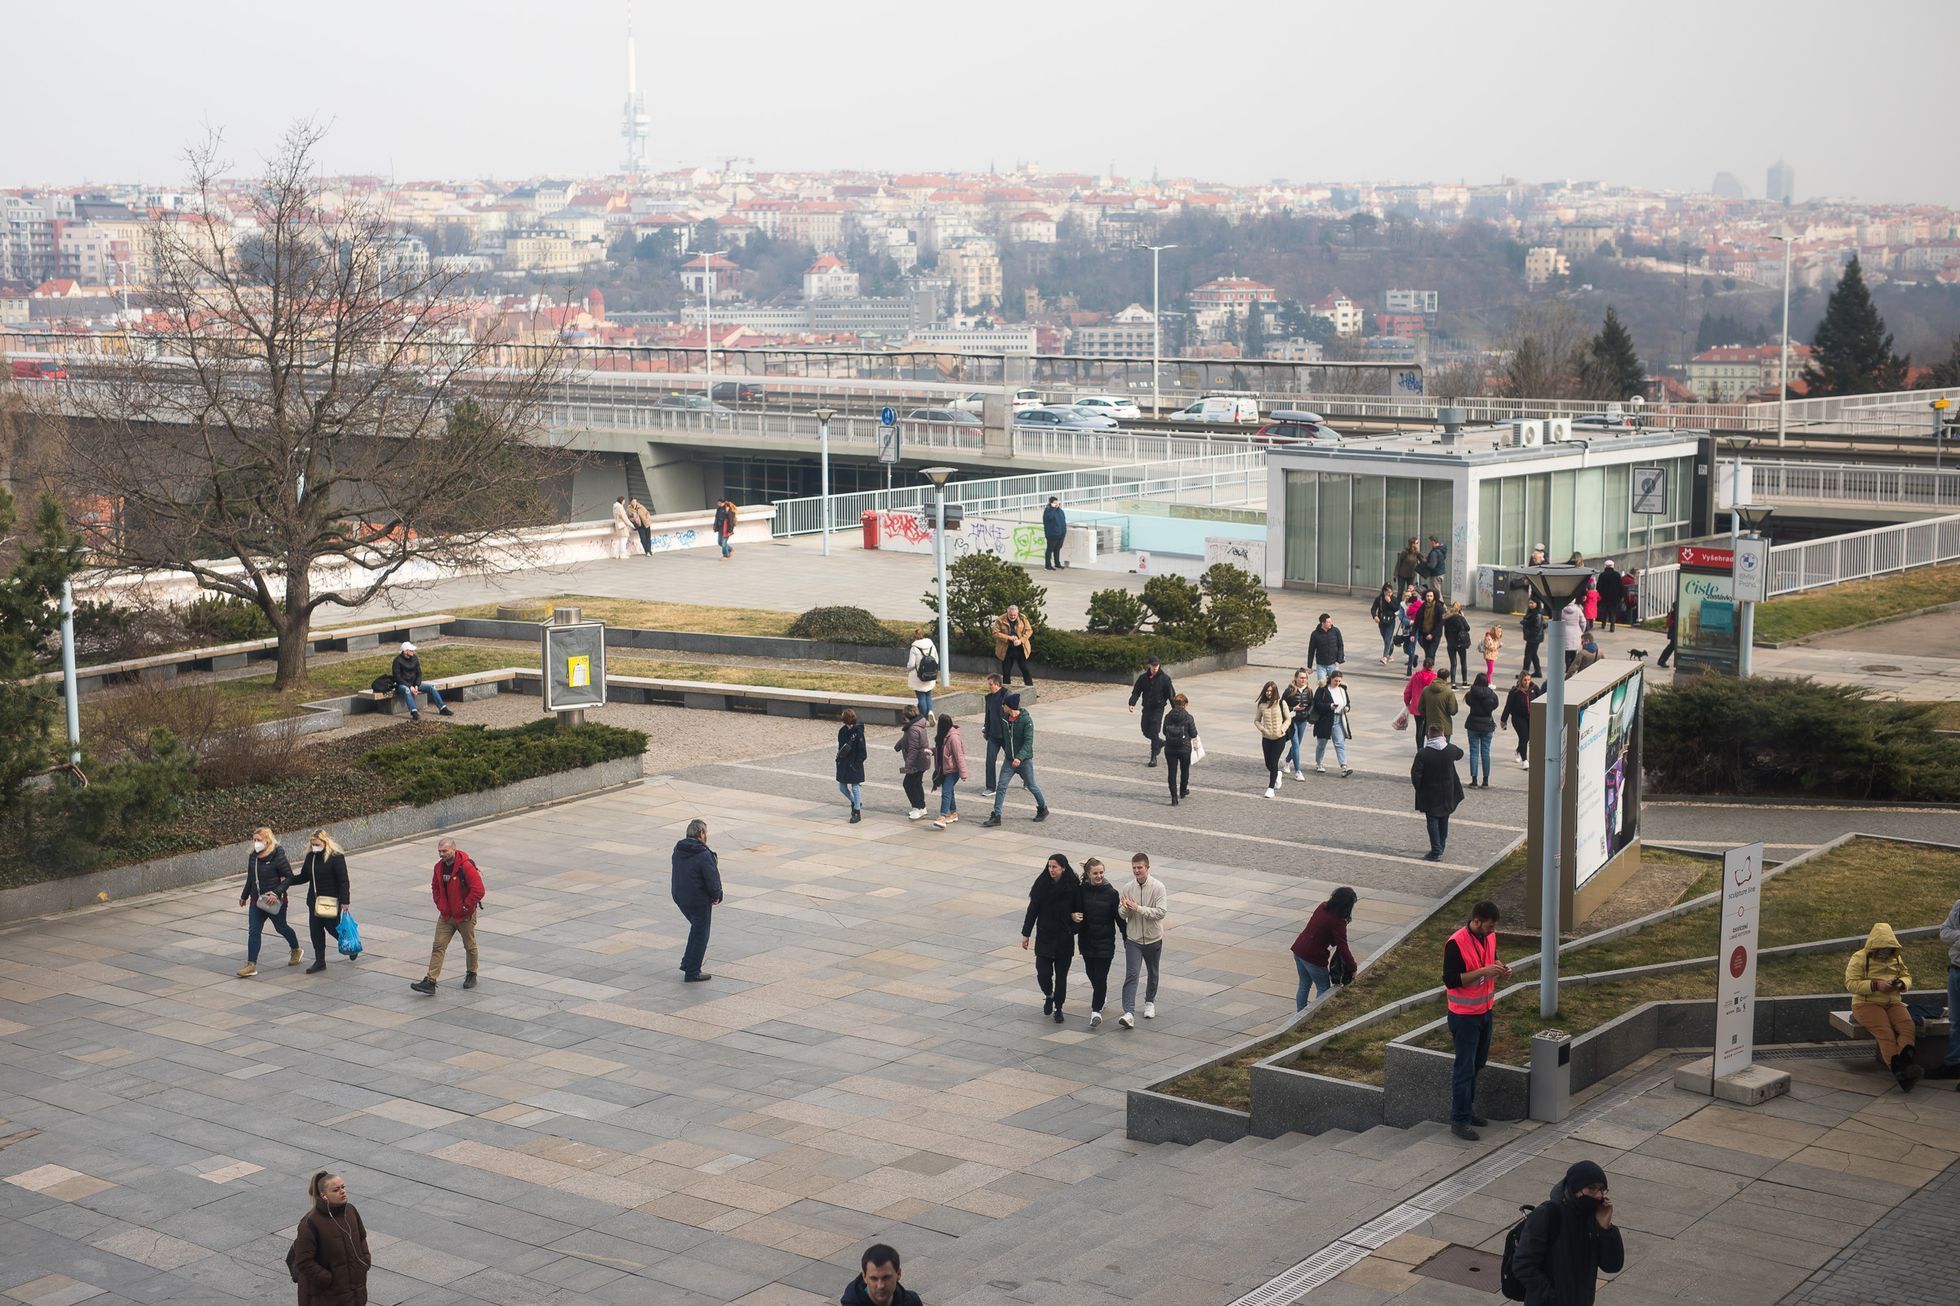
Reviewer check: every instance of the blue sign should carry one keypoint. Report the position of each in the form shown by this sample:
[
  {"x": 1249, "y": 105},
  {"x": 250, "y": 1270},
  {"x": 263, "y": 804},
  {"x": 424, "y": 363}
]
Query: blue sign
[{"x": 887, "y": 416}]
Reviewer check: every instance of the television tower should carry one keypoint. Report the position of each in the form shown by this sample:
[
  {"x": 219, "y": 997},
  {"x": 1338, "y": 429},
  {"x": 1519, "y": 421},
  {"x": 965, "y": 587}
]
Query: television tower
[{"x": 634, "y": 124}]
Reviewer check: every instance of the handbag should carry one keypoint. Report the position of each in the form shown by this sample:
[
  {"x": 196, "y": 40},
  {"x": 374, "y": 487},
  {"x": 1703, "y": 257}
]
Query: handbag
[
  {"x": 326, "y": 907},
  {"x": 1197, "y": 749},
  {"x": 270, "y": 903}
]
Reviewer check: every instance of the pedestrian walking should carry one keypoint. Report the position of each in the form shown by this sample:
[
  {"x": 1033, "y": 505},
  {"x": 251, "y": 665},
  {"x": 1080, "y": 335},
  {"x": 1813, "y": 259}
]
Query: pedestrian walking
[
  {"x": 1574, "y": 617},
  {"x": 1320, "y": 953},
  {"x": 1438, "y": 788},
  {"x": 1429, "y": 623},
  {"x": 1877, "y": 980},
  {"x": 725, "y": 526},
  {"x": 328, "y": 894},
  {"x": 1492, "y": 648},
  {"x": 1949, "y": 1068},
  {"x": 1102, "y": 921},
  {"x": 1407, "y": 563},
  {"x": 1435, "y": 566},
  {"x": 457, "y": 887},
  {"x": 1330, "y": 724},
  {"x": 1412, "y": 689},
  {"x": 1470, "y": 974},
  {"x": 1326, "y": 651},
  {"x": 1406, "y": 631},
  {"x": 1153, "y": 689},
  {"x": 697, "y": 892},
  {"x": 1180, "y": 744},
  {"x": 1298, "y": 698},
  {"x": 641, "y": 520},
  {"x": 1275, "y": 726},
  {"x": 1630, "y": 597},
  {"x": 1436, "y": 706},
  {"x": 993, "y": 730},
  {"x": 268, "y": 874},
  {"x": 1612, "y": 589},
  {"x": 1673, "y": 612},
  {"x": 922, "y": 669},
  {"x": 1456, "y": 634},
  {"x": 915, "y": 758},
  {"x": 1517, "y": 715},
  {"x": 1019, "y": 728},
  {"x": 1569, "y": 1240},
  {"x": 622, "y": 529},
  {"x": 1013, "y": 644},
  {"x": 1534, "y": 635},
  {"x": 1145, "y": 906},
  {"x": 1054, "y": 912},
  {"x": 329, "y": 1258},
  {"x": 877, "y": 1282},
  {"x": 1480, "y": 724},
  {"x": 948, "y": 769},
  {"x": 851, "y": 755},
  {"x": 1054, "y": 533},
  {"x": 1385, "y": 612},
  {"x": 406, "y": 670}
]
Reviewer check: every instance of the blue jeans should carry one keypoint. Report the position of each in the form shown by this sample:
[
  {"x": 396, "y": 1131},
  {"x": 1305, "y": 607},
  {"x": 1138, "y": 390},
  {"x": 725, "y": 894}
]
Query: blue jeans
[
  {"x": 407, "y": 693},
  {"x": 1415, "y": 653},
  {"x": 1321, "y": 672},
  {"x": 994, "y": 749},
  {"x": 854, "y": 792},
  {"x": 1471, "y": 1036},
  {"x": 696, "y": 952},
  {"x": 1439, "y": 831},
  {"x": 1388, "y": 637},
  {"x": 947, "y": 785},
  {"x": 1311, "y": 977},
  {"x": 924, "y": 697},
  {"x": 1479, "y": 749},
  {"x": 1952, "y": 1008},
  {"x": 1025, "y": 773},
  {"x": 1295, "y": 750},
  {"x": 726, "y": 546},
  {"x": 255, "y": 922},
  {"x": 1338, "y": 737}
]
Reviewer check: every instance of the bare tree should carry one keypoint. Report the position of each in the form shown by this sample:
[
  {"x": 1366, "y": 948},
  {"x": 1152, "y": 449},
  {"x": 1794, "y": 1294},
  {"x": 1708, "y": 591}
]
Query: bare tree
[
  {"x": 315, "y": 415},
  {"x": 1544, "y": 350}
]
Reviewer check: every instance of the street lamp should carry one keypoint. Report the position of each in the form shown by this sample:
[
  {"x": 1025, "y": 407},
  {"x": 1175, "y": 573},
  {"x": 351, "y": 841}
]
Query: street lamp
[
  {"x": 824, "y": 414},
  {"x": 1555, "y": 587},
  {"x": 939, "y": 476},
  {"x": 1783, "y": 366},
  {"x": 1753, "y": 520},
  {"x": 708, "y": 324},
  {"x": 1156, "y": 326}
]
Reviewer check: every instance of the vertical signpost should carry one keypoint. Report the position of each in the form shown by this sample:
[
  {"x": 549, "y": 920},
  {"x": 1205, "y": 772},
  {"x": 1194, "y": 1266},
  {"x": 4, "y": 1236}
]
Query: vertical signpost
[
  {"x": 888, "y": 441},
  {"x": 1751, "y": 588},
  {"x": 1735, "y": 1006},
  {"x": 1649, "y": 493}
]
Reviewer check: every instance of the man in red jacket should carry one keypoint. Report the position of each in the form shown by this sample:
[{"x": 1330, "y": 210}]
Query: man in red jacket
[{"x": 457, "y": 887}]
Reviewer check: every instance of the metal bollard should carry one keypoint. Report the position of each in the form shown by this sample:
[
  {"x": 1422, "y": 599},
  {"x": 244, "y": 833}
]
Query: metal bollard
[{"x": 1551, "y": 1074}]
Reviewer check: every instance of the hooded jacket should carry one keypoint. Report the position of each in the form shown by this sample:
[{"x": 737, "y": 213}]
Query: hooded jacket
[
  {"x": 1482, "y": 701},
  {"x": 697, "y": 874},
  {"x": 1563, "y": 1249},
  {"x": 855, "y": 1294},
  {"x": 921, "y": 648},
  {"x": 1862, "y": 969},
  {"x": 1051, "y": 903},
  {"x": 1438, "y": 787},
  {"x": 1437, "y": 707},
  {"x": 1102, "y": 918},
  {"x": 330, "y": 1256},
  {"x": 458, "y": 895},
  {"x": 916, "y": 747}
]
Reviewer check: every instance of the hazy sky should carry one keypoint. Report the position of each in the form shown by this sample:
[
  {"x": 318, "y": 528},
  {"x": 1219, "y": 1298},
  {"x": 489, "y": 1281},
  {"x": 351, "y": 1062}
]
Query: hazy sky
[{"x": 1658, "y": 93}]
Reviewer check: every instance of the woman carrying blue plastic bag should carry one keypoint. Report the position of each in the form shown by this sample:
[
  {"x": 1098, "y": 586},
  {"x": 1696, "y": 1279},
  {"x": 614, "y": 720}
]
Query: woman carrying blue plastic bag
[
  {"x": 328, "y": 894},
  {"x": 350, "y": 935}
]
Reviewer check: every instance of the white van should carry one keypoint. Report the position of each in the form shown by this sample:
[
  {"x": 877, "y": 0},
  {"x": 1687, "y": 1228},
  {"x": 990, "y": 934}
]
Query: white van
[{"x": 1236, "y": 410}]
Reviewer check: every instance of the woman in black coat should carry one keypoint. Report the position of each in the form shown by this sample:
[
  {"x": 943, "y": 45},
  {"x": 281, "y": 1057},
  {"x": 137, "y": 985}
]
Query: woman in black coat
[
  {"x": 1180, "y": 732},
  {"x": 850, "y": 762},
  {"x": 267, "y": 872},
  {"x": 1054, "y": 910},
  {"x": 1456, "y": 635},
  {"x": 1517, "y": 715},
  {"x": 324, "y": 873},
  {"x": 1102, "y": 921},
  {"x": 1438, "y": 788},
  {"x": 1429, "y": 623}
]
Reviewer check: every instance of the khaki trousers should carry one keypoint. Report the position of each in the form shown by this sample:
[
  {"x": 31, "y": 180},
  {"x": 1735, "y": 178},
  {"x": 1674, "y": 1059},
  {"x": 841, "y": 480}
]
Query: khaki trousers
[
  {"x": 447, "y": 929},
  {"x": 1889, "y": 1023}
]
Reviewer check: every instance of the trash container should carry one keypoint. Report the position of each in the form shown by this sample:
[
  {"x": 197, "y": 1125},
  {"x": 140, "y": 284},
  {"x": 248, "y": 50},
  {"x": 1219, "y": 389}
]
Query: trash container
[
  {"x": 1509, "y": 591},
  {"x": 1551, "y": 1075},
  {"x": 870, "y": 523}
]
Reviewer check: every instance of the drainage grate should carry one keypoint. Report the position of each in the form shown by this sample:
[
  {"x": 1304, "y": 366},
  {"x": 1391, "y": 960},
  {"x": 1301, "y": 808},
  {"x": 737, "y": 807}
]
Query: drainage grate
[
  {"x": 1463, "y": 1265},
  {"x": 1317, "y": 1271}
]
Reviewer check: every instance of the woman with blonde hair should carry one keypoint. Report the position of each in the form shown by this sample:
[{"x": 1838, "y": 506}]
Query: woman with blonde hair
[
  {"x": 324, "y": 873},
  {"x": 330, "y": 1259},
  {"x": 1274, "y": 721},
  {"x": 267, "y": 875},
  {"x": 1492, "y": 646}
]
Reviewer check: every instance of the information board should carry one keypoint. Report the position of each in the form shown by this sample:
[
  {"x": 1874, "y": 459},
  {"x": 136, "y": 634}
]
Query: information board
[
  {"x": 574, "y": 666},
  {"x": 1735, "y": 1004}
]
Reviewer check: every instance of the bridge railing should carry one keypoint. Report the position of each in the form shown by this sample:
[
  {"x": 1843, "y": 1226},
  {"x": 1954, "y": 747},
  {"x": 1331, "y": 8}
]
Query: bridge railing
[
  {"x": 1854, "y": 483},
  {"x": 845, "y": 429}
]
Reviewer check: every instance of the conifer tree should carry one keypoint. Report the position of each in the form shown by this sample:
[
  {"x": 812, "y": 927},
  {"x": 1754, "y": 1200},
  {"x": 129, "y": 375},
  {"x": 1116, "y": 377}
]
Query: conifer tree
[
  {"x": 1611, "y": 368},
  {"x": 1853, "y": 349}
]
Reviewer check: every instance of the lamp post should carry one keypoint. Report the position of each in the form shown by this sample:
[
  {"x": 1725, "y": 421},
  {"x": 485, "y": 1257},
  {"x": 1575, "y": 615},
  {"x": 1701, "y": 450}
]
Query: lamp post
[
  {"x": 939, "y": 476},
  {"x": 1754, "y": 519},
  {"x": 1555, "y": 587},
  {"x": 824, "y": 414},
  {"x": 1783, "y": 365},
  {"x": 1156, "y": 326},
  {"x": 708, "y": 324},
  {"x": 1745, "y": 617}
]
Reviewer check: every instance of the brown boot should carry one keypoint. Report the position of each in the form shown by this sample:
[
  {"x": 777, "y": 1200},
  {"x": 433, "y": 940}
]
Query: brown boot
[
  {"x": 294, "y": 959},
  {"x": 248, "y": 970}
]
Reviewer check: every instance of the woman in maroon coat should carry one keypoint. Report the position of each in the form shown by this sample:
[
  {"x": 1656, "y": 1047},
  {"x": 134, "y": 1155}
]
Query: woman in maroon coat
[
  {"x": 1325, "y": 937},
  {"x": 330, "y": 1257}
]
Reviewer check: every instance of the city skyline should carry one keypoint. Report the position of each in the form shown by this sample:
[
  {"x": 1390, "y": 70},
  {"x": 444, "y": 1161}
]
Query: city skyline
[{"x": 732, "y": 86}]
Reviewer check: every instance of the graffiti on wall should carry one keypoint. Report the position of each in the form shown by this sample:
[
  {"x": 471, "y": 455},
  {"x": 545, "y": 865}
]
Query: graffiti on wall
[
  {"x": 1249, "y": 554},
  {"x": 666, "y": 540},
  {"x": 909, "y": 527}
]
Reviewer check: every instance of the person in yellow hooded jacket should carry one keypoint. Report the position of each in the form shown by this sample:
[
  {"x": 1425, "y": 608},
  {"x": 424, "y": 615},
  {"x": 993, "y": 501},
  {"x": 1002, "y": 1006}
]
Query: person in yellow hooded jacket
[{"x": 1877, "y": 980}]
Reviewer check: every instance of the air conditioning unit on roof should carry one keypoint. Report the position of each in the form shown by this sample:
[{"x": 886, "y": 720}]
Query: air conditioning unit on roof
[
  {"x": 1558, "y": 429},
  {"x": 1527, "y": 435}
]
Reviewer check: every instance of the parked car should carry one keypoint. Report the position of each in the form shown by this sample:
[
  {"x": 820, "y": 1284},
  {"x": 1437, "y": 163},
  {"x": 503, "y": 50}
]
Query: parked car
[
  {"x": 1237, "y": 410},
  {"x": 693, "y": 404},
  {"x": 39, "y": 369},
  {"x": 974, "y": 403},
  {"x": 1027, "y": 399},
  {"x": 954, "y": 416},
  {"x": 1292, "y": 426},
  {"x": 739, "y": 391},
  {"x": 1606, "y": 422},
  {"x": 1123, "y": 410},
  {"x": 1057, "y": 418}
]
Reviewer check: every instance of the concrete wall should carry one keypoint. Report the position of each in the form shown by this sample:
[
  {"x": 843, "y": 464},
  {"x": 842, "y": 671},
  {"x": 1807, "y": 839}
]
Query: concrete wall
[
  {"x": 678, "y": 478},
  {"x": 1160, "y": 1118}
]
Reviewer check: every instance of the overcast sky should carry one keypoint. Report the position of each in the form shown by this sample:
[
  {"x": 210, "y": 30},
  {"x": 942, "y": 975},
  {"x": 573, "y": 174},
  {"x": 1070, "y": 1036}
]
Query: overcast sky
[{"x": 1660, "y": 93}]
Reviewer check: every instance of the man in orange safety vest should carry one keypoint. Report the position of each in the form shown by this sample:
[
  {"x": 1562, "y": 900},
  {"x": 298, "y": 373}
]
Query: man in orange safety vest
[{"x": 1470, "y": 973}]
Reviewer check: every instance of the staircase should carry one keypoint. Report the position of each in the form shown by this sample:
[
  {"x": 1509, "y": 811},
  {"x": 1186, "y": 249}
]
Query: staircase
[
  {"x": 636, "y": 481},
  {"x": 1201, "y": 1224}
]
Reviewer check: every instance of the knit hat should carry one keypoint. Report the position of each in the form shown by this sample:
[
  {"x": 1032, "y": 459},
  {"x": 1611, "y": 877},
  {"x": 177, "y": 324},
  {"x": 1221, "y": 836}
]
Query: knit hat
[
  {"x": 1013, "y": 701},
  {"x": 1583, "y": 1174}
]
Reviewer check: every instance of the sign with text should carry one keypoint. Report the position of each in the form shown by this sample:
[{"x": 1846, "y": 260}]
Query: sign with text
[
  {"x": 1735, "y": 987},
  {"x": 1752, "y": 571},
  {"x": 574, "y": 666},
  {"x": 1706, "y": 559},
  {"x": 1705, "y": 617},
  {"x": 1649, "y": 491}
]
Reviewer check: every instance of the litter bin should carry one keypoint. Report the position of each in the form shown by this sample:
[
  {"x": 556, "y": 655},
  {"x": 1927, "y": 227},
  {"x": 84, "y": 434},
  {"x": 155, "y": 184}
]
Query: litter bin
[
  {"x": 870, "y": 523},
  {"x": 1551, "y": 1075},
  {"x": 1509, "y": 591}
]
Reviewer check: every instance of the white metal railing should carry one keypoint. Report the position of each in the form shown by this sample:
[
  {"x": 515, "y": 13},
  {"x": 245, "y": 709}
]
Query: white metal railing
[
  {"x": 1009, "y": 495},
  {"x": 1853, "y": 483},
  {"x": 1124, "y": 446},
  {"x": 856, "y": 430}
]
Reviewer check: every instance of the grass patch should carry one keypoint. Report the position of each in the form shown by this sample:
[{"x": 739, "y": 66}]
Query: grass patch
[
  {"x": 1857, "y": 602},
  {"x": 839, "y": 682},
  {"x": 642, "y": 614}
]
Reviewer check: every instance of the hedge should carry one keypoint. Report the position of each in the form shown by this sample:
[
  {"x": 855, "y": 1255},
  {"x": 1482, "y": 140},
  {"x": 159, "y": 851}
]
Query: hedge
[
  {"x": 1073, "y": 650},
  {"x": 470, "y": 759}
]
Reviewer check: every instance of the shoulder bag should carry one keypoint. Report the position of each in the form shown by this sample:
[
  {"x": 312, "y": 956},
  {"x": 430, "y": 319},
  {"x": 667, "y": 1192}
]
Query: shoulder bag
[{"x": 326, "y": 907}]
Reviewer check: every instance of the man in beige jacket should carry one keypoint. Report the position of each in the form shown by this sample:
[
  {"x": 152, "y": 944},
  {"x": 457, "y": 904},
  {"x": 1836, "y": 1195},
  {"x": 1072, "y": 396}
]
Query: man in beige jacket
[
  {"x": 1144, "y": 908},
  {"x": 1013, "y": 642}
]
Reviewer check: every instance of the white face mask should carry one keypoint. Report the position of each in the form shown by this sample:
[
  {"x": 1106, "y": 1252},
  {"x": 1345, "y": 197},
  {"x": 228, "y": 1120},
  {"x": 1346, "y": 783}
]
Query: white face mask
[
  {"x": 319, "y": 848},
  {"x": 258, "y": 845}
]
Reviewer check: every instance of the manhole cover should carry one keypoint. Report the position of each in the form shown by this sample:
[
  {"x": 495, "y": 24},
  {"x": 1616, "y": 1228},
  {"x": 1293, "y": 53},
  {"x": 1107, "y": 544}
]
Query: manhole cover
[
  {"x": 1882, "y": 666},
  {"x": 1464, "y": 1265}
]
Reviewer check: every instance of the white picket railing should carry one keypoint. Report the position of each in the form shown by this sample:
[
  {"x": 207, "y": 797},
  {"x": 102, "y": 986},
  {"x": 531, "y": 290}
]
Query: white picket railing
[{"x": 1853, "y": 483}]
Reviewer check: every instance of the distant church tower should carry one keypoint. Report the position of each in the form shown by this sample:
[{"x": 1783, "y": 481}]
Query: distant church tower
[{"x": 634, "y": 122}]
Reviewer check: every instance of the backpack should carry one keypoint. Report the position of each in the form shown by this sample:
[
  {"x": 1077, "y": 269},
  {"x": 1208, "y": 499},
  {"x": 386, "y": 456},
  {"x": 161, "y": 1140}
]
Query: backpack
[
  {"x": 1507, "y": 1275},
  {"x": 383, "y": 684},
  {"x": 1174, "y": 733},
  {"x": 928, "y": 666}
]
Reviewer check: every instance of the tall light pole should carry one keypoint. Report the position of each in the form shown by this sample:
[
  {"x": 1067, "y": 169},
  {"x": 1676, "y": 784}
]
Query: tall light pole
[
  {"x": 824, "y": 414},
  {"x": 708, "y": 324},
  {"x": 1783, "y": 367},
  {"x": 1156, "y": 325},
  {"x": 939, "y": 476},
  {"x": 1555, "y": 587}
]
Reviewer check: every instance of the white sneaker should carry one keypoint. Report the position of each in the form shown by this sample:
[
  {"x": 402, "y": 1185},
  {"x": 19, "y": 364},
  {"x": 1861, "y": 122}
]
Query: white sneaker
[
  {"x": 1301, "y": 775},
  {"x": 1269, "y": 793},
  {"x": 986, "y": 793},
  {"x": 1150, "y": 1011},
  {"x": 1318, "y": 770},
  {"x": 1279, "y": 780},
  {"x": 1127, "y": 1021},
  {"x": 1523, "y": 765},
  {"x": 917, "y": 814},
  {"x": 1095, "y": 1019}
]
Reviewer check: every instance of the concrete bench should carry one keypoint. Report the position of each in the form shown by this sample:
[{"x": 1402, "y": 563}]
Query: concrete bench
[
  {"x": 230, "y": 657},
  {"x": 459, "y": 688},
  {"x": 873, "y": 709},
  {"x": 343, "y": 639},
  {"x": 1842, "y": 1022}
]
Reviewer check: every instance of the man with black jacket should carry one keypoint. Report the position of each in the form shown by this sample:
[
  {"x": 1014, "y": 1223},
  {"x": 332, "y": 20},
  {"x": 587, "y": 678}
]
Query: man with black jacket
[
  {"x": 1534, "y": 635},
  {"x": 993, "y": 730},
  {"x": 1435, "y": 565},
  {"x": 1568, "y": 1240},
  {"x": 697, "y": 890},
  {"x": 407, "y": 672},
  {"x": 1153, "y": 689},
  {"x": 1102, "y": 921},
  {"x": 1325, "y": 651},
  {"x": 1612, "y": 595},
  {"x": 1054, "y": 531}
]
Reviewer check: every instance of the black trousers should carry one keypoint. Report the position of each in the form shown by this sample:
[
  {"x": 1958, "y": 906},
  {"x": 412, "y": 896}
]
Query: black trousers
[
  {"x": 1524, "y": 739},
  {"x": 1098, "y": 968},
  {"x": 1429, "y": 643},
  {"x": 1667, "y": 652},
  {"x": 1153, "y": 729},
  {"x": 1052, "y": 974},
  {"x": 1015, "y": 654},
  {"x": 1273, "y": 749},
  {"x": 323, "y": 932},
  {"x": 915, "y": 789},
  {"x": 1052, "y": 556},
  {"x": 1460, "y": 657},
  {"x": 1531, "y": 662},
  {"x": 1177, "y": 770}
]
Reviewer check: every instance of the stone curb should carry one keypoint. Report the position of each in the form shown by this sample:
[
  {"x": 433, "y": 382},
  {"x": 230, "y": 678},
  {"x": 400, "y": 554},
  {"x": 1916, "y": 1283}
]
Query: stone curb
[{"x": 1802, "y": 640}]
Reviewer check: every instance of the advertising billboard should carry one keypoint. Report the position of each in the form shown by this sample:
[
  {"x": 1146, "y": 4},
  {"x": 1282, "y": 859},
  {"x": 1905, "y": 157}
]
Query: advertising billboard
[
  {"x": 1705, "y": 621},
  {"x": 1607, "y": 799}
]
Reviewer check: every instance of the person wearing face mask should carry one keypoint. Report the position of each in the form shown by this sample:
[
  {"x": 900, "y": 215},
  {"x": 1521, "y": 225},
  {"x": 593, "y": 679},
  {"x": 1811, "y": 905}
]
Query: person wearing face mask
[
  {"x": 1102, "y": 921},
  {"x": 324, "y": 872},
  {"x": 457, "y": 887},
  {"x": 1470, "y": 974},
  {"x": 1054, "y": 912},
  {"x": 268, "y": 874},
  {"x": 1568, "y": 1240},
  {"x": 1438, "y": 788},
  {"x": 329, "y": 1258}
]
